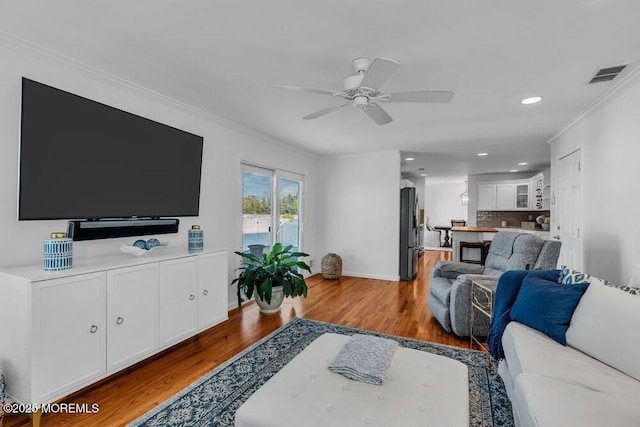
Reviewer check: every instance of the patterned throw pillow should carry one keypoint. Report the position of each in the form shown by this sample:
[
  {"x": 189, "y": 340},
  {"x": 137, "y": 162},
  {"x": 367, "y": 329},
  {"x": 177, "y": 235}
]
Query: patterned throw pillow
[
  {"x": 572, "y": 277},
  {"x": 628, "y": 289},
  {"x": 2, "y": 395}
]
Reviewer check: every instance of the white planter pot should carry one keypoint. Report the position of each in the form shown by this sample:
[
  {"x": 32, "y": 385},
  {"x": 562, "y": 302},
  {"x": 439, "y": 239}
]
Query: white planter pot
[{"x": 277, "y": 296}]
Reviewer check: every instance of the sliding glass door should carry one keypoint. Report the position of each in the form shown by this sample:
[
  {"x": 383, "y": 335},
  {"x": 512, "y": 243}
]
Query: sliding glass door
[
  {"x": 257, "y": 218},
  {"x": 289, "y": 231},
  {"x": 271, "y": 209}
]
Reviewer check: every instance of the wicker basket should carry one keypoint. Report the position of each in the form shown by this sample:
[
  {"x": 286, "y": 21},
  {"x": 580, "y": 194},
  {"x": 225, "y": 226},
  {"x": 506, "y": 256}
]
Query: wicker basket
[{"x": 331, "y": 266}]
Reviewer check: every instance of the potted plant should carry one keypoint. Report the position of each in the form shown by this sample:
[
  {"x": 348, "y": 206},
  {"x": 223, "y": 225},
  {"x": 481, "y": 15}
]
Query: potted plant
[{"x": 272, "y": 277}]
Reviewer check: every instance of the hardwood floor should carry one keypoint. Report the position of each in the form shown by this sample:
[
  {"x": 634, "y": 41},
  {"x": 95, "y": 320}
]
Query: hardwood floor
[{"x": 397, "y": 308}]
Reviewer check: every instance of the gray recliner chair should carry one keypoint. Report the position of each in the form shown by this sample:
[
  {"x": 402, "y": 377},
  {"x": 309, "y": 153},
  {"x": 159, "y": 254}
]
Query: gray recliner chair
[{"x": 449, "y": 297}]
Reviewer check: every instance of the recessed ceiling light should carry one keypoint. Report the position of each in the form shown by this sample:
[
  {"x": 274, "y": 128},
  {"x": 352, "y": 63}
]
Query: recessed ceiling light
[
  {"x": 523, "y": 164},
  {"x": 483, "y": 154},
  {"x": 409, "y": 158},
  {"x": 513, "y": 170},
  {"x": 532, "y": 100}
]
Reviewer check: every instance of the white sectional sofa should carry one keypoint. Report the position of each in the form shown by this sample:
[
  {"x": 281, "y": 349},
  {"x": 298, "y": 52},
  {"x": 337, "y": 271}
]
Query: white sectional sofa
[{"x": 594, "y": 380}]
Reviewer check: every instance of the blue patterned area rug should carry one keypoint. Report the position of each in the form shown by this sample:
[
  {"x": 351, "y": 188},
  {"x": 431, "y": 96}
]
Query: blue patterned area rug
[{"x": 214, "y": 399}]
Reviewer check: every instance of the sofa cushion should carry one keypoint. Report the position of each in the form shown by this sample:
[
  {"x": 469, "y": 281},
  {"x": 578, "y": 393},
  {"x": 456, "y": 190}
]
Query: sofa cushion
[
  {"x": 441, "y": 288},
  {"x": 624, "y": 288},
  {"x": 605, "y": 326},
  {"x": 524, "y": 251},
  {"x": 542, "y": 401},
  {"x": 547, "y": 306},
  {"x": 529, "y": 351}
]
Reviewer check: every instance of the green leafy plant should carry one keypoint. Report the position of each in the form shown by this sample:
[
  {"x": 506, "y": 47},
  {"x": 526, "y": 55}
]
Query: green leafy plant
[{"x": 280, "y": 267}]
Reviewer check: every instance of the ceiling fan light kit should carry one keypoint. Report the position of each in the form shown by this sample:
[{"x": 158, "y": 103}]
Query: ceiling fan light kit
[{"x": 362, "y": 90}]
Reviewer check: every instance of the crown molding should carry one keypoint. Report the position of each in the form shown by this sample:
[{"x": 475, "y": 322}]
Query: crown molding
[
  {"x": 620, "y": 87},
  {"x": 25, "y": 47}
]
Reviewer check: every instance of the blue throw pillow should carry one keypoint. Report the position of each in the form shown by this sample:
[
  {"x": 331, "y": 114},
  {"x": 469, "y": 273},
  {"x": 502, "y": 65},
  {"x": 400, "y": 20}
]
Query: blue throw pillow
[{"x": 547, "y": 306}]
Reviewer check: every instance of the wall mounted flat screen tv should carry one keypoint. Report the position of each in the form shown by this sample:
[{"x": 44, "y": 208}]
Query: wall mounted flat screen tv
[{"x": 80, "y": 159}]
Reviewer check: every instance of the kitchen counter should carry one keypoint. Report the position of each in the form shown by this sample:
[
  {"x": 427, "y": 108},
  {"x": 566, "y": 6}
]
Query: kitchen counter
[
  {"x": 475, "y": 229},
  {"x": 470, "y": 234}
]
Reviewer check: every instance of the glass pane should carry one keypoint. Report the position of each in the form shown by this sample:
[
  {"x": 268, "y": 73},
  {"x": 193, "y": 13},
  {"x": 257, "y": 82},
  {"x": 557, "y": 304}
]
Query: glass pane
[
  {"x": 256, "y": 212},
  {"x": 289, "y": 224}
]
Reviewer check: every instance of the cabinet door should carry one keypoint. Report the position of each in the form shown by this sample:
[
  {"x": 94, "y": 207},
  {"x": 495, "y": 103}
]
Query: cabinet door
[
  {"x": 505, "y": 196},
  {"x": 486, "y": 197},
  {"x": 68, "y": 333},
  {"x": 178, "y": 301},
  {"x": 522, "y": 196},
  {"x": 132, "y": 314},
  {"x": 212, "y": 288}
]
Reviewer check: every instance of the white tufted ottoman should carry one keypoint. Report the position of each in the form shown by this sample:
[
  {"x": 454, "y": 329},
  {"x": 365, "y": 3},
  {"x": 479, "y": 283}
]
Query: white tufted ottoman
[{"x": 421, "y": 389}]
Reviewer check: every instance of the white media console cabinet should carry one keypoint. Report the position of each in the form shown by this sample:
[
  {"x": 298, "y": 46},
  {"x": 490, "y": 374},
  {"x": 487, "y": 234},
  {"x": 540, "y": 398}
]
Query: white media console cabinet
[{"x": 64, "y": 330}]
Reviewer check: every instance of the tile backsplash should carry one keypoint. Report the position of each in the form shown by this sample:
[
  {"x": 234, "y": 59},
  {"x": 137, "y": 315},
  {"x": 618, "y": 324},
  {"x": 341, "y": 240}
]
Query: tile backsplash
[{"x": 513, "y": 218}]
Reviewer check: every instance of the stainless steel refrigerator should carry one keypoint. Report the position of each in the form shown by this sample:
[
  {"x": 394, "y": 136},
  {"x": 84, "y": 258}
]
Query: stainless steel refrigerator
[{"x": 409, "y": 230}]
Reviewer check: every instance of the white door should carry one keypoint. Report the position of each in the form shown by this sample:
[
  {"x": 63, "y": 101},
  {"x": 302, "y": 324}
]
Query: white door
[
  {"x": 178, "y": 300},
  {"x": 212, "y": 288},
  {"x": 69, "y": 333},
  {"x": 132, "y": 314},
  {"x": 567, "y": 225}
]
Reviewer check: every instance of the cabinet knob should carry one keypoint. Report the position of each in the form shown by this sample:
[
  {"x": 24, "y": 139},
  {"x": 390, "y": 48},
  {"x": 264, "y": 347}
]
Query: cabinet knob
[
  {"x": 205, "y": 292},
  {"x": 192, "y": 297},
  {"x": 94, "y": 329},
  {"x": 119, "y": 321}
]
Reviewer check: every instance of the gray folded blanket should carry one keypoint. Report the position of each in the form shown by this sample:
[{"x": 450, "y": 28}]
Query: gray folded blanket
[{"x": 364, "y": 358}]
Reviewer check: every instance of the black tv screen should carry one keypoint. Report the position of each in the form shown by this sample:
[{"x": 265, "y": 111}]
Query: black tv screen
[{"x": 80, "y": 159}]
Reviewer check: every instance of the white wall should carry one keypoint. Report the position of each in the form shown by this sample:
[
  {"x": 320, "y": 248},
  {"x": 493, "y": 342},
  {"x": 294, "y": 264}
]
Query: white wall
[
  {"x": 224, "y": 148},
  {"x": 442, "y": 203},
  {"x": 359, "y": 210},
  {"x": 609, "y": 137}
]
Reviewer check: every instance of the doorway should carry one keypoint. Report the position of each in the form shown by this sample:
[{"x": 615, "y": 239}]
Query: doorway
[{"x": 271, "y": 209}]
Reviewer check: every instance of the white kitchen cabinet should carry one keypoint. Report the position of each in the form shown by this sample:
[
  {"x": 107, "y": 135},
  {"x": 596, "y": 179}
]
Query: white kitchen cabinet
[
  {"x": 522, "y": 196},
  {"x": 69, "y": 334},
  {"x": 132, "y": 314},
  {"x": 486, "y": 197},
  {"x": 178, "y": 301},
  {"x": 212, "y": 288},
  {"x": 537, "y": 192},
  {"x": 512, "y": 195},
  {"x": 67, "y": 329},
  {"x": 505, "y": 196}
]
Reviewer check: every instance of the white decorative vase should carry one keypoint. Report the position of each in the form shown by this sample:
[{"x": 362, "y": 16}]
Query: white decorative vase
[
  {"x": 546, "y": 226},
  {"x": 277, "y": 296}
]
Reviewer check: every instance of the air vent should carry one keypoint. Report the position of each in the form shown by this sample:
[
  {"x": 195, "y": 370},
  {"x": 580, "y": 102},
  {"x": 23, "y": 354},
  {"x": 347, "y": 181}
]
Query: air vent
[{"x": 607, "y": 74}]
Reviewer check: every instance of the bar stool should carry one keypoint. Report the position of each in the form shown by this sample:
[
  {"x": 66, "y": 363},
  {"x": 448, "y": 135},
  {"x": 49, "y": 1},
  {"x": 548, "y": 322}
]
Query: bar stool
[{"x": 473, "y": 245}]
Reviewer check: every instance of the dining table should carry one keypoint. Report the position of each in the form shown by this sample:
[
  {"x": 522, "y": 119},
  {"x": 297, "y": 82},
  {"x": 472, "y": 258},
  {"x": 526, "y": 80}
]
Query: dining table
[{"x": 446, "y": 228}]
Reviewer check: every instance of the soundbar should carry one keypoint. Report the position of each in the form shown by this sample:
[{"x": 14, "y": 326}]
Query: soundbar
[{"x": 111, "y": 228}]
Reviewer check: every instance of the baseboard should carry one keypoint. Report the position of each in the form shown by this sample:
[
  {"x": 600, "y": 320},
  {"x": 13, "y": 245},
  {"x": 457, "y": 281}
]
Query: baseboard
[{"x": 372, "y": 276}]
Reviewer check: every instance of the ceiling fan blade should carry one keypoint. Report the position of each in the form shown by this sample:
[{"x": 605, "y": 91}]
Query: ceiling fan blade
[
  {"x": 306, "y": 89},
  {"x": 420, "y": 96},
  {"x": 378, "y": 72},
  {"x": 377, "y": 114},
  {"x": 324, "y": 111}
]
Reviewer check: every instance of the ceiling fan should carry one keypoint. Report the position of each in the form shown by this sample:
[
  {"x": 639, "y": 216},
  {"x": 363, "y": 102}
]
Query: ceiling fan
[{"x": 362, "y": 90}]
